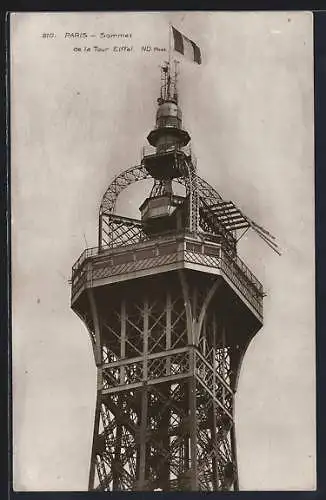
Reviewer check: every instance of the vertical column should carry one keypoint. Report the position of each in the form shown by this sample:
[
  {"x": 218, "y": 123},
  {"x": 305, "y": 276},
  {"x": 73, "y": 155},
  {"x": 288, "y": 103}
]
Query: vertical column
[
  {"x": 142, "y": 439},
  {"x": 204, "y": 337},
  {"x": 145, "y": 339},
  {"x": 94, "y": 447},
  {"x": 235, "y": 361},
  {"x": 168, "y": 327},
  {"x": 96, "y": 323},
  {"x": 117, "y": 456},
  {"x": 116, "y": 474},
  {"x": 234, "y": 456},
  {"x": 194, "y": 301},
  {"x": 164, "y": 441},
  {"x": 193, "y": 423},
  {"x": 214, "y": 415},
  {"x": 144, "y": 401},
  {"x": 223, "y": 363},
  {"x": 98, "y": 361},
  {"x": 195, "y": 325},
  {"x": 123, "y": 339},
  {"x": 100, "y": 228},
  {"x": 193, "y": 200}
]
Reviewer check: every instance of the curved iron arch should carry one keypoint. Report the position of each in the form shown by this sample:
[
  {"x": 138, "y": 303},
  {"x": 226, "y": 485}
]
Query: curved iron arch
[
  {"x": 120, "y": 182},
  {"x": 196, "y": 187},
  {"x": 139, "y": 173}
]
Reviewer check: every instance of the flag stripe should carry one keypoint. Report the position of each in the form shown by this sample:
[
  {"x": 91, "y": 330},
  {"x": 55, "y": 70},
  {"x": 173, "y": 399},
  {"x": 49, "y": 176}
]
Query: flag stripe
[
  {"x": 186, "y": 46},
  {"x": 188, "y": 50},
  {"x": 178, "y": 41},
  {"x": 197, "y": 56}
]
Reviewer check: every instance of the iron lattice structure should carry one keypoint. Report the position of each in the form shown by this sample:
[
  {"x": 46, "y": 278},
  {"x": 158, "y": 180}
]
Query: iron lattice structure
[
  {"x": 170, "y": 309},
  {"x": 204, "y": 200}
]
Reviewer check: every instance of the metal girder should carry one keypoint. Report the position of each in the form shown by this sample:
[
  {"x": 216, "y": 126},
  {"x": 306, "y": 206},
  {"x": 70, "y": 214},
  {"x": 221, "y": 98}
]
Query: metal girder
[
  {"x": 173, "y": 428},
  {"x": 197, "y": 188},
  {"x": 119, "y": 183}
]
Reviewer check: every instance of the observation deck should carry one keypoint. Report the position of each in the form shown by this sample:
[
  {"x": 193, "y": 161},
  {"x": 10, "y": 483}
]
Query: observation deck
[
  {"x": 168, "y": 161},
  {"x": 96, "y": 268}
]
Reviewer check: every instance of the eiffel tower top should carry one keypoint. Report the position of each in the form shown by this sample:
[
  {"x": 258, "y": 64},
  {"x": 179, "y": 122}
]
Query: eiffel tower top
[{"x": 168, "y": 131}]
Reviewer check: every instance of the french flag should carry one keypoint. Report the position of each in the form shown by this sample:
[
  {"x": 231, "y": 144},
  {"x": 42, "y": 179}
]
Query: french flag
[{"x": 186, "y": 46}]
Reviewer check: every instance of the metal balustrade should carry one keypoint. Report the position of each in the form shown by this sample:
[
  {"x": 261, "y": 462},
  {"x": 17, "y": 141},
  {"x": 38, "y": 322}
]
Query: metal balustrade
[
  {"x": 148, "y": 150},
  {"x": 151, "y": 253}
]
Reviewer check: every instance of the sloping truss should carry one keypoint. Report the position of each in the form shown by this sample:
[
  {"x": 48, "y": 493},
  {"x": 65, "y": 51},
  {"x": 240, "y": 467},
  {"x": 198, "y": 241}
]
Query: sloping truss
[
  {"x": 164, "y": 414},
  {"x": 116, "y": 231},
  {"x": 206, "y": 205}
]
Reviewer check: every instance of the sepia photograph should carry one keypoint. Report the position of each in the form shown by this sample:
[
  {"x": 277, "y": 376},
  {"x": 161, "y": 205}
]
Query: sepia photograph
[{"x": 163, "y": 251}]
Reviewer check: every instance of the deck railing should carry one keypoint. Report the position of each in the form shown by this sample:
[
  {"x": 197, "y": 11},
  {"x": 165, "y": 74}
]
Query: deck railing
[
  {"x": 148, "y": 150},
  {"x": 241, "y": 276},
  {"x": 210, "y": 254}
]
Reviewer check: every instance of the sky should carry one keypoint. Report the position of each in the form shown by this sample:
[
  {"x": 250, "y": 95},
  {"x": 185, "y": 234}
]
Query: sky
[{"x": 80, "y": 117}]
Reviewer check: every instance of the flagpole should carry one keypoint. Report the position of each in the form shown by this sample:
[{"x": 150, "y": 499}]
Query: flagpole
[
  {"x": 169, "y": 60},
  {"x": 170, "y": 44}
]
